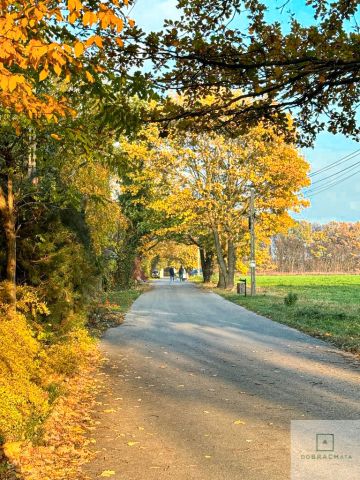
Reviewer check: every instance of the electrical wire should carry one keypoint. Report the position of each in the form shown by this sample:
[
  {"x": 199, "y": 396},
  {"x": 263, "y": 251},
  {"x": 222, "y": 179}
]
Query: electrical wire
[
  {"x": 323, "y": 188},
  {"x": 340, "y": 172},
  {"x": 348, "y": 157}
]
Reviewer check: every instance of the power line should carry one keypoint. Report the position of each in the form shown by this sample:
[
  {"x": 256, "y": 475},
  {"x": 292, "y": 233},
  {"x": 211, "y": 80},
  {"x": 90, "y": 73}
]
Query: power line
[
  {"x": 340, "y": 172},
  {"x": 331, "y": 185},
  {"x": 348, "y": 157}
]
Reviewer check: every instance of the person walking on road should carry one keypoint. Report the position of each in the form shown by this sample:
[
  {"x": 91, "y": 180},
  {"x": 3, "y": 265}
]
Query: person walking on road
[
  {"x": 172, "y": 274},
  {"x": 181, "y": 273}
]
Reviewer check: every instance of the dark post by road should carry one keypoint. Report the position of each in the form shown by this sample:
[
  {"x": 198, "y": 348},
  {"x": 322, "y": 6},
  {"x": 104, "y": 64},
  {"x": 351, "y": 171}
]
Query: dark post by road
[{"x": 252, "y": 244}]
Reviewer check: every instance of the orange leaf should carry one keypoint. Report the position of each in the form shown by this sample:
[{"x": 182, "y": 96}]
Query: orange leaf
[
  {"x": 57, "y": 69},
  {"x": 98, "y": 41},
  {"x": 79, "y": 49},
  {"x": 12, "y": 83},
  {"x": 87, "y": 18},
  {"x": 43, "y": 74},
  {"x": 89, "y": 77}
]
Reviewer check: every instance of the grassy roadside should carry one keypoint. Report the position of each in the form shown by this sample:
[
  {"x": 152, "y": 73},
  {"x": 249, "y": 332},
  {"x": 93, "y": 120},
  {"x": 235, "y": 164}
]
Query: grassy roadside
[
  {"x": 328, "y": 306},
  {"x": 111, "y": 312},
  {"x": 121, "y": 300}
]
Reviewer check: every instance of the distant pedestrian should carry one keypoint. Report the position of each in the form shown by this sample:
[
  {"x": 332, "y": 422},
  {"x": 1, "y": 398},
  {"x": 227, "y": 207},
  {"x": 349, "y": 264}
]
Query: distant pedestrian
[
  {"x": 181, "y": 273},
  {"x": 172, "y": 274}
]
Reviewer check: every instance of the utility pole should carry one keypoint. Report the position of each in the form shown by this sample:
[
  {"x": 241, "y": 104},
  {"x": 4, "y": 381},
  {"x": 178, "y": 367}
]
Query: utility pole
[{"x": 252, "y": 242}]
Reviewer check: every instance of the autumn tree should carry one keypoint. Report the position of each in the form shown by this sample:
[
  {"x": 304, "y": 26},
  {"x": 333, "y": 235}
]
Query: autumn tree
[
  {"x": 169, "y": 252},
  {"x": 65, "y": 219},
  {"x": 214, "y": 174},
  {"x": 141, "y": 188},
  {"x": 311, "y": 247},
  {"x": 49, "y": 53},
  {"x": 259, "y": 68},
  {"x": 39, "y": 39}
]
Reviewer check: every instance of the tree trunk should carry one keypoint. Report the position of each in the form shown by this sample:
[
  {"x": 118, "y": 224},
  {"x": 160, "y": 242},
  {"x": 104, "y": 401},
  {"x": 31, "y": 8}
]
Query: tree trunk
[
  {"x": 125, "y": 270},
  {"x": 32, "y": 174},
  {"x": 231, "y": 259},
  {"x": 223, "y": 273},
  {"x": 221, "y": 281},
  {"x": 8, "y": 213},
  {"x": 207, "y": 264}
]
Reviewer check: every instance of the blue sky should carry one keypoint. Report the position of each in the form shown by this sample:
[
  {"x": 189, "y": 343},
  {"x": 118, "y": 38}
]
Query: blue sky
[{"x": 341, "y": 202}]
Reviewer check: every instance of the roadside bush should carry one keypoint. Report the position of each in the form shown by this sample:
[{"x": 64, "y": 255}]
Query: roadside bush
[
  {"x": 24, "y": 403},
  {"x": 291, "y": 299},
  {"x": 32, "y": 366},
  {"x": 67, "y": 356}
]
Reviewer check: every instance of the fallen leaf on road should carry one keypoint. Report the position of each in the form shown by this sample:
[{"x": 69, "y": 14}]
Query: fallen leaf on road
[
  {"x": 107, "y": 473},
  {"x": 239, "y": 422}
]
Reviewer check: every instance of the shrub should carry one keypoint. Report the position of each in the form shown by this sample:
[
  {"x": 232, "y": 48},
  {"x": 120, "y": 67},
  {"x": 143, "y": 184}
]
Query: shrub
[
  {"x": 291, "y": 299},
  {"x": 67, "y": 356},
  {"x": 24, "y": 403}
]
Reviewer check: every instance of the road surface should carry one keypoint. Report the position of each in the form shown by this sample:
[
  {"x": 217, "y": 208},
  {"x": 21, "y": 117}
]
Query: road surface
[{"x": 198, "y": 388}]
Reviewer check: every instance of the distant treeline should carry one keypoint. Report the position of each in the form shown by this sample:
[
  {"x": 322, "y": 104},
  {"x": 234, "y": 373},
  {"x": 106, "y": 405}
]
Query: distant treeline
[{"x": 311, "y": 247}]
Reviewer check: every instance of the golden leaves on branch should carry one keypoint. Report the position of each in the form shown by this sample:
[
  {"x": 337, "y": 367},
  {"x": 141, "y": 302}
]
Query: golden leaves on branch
[{"x": 25, "y": 28}]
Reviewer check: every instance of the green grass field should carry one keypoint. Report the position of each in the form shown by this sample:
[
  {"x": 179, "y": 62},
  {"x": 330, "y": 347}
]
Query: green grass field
[{"x": 328, "y": 306}]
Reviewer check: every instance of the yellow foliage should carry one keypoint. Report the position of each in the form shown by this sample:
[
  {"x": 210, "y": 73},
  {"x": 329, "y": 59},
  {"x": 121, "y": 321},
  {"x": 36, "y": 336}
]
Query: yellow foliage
[
  {"x": 24, "y": 403},
  {"x": 28, "y": 367},
  {"x": 28, "y": 46},
  {"x": 172, "y": 253},
  {"x": 99, "y": 203},
  {"x": 67, "y": 356}
]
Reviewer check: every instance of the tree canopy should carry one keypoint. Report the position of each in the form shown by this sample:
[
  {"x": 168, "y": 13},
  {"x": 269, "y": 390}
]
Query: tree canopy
[{"x": 259, "y": 68}]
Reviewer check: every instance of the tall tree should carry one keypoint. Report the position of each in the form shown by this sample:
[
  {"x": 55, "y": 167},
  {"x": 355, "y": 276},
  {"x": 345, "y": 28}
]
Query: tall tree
[
  {"x": 49, "y": 53},
  {"x": 260, "y": 68},
  {"x": 213, "y": 175}
]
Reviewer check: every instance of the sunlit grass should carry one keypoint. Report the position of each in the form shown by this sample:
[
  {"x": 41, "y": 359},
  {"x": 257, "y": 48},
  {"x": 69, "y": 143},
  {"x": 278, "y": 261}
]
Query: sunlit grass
[
  {"x": 121, "y": 300},
  {"x": 328, "y": 306}
]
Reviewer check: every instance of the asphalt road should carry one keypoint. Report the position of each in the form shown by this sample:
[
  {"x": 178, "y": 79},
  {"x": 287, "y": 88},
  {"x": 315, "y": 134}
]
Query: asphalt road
[{"x": 199, "y": 388}]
